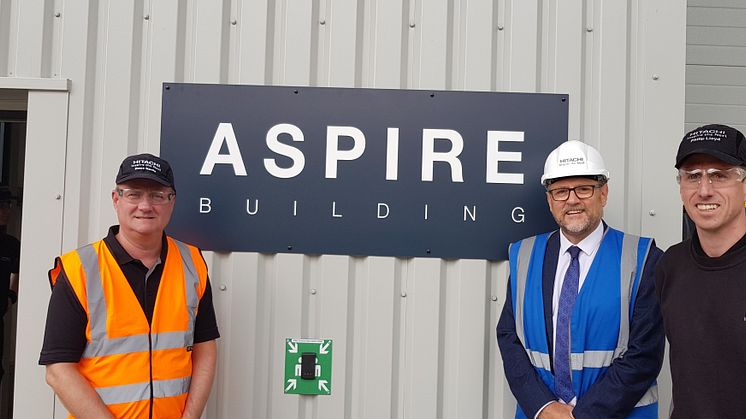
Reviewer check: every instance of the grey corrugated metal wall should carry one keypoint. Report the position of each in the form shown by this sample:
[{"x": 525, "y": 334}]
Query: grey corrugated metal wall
[
  {"x": 413, "y": 338},
  {"x": 716, "y": 63}
]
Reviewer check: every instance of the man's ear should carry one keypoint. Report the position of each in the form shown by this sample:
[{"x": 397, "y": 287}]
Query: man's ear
[{"x": 604, "y": 194}]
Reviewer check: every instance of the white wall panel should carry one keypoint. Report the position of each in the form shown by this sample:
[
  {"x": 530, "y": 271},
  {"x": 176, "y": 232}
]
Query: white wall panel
[
  {"x": 472, "y": 36},
  {"x": 562, "y": 55},
  {"x": 500, "y": 402},
  {"x": 522, "y": 26},
  {"x": 292, "y": 42},
  {"x": 249, "y": 46},
  {"x": 428, "y": 44},
  {"x": 710, "y": 15},
  {"x": 334, "y": 281},
  {"x": 606, "y": 35},
  {"x": 710, "y": 35},
  {"x": 413, "y": 338},
  {"x": 5, "y": 34},
  {"x": 716, "y": 63},
  {"x": 421, "y": 369},
  {"x": 712, "y": 95},
  {"x": 338, "y": 43},
  {"x": 466, "y": 305},
  {"x": 716, "y": 55},
  {"x": 79, "y": 63},
  {"x": 653, "y": 147},
  {"x": 383, "y": 44},
  {"x": 376, "y": 338},
  {"x": 29, "y": 49},
  {"x": 158, "y": 62},
  {"x": 206, "y": 46}
]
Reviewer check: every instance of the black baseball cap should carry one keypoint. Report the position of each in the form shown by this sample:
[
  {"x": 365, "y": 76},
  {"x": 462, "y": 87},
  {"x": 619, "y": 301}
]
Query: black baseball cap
[
  {"x": 720, "y": 141},
  {"x": 146, "y": 166}
]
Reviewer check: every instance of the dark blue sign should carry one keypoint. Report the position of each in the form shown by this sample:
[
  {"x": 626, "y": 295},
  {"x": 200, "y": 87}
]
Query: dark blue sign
[{"x": 313, "y": 170}]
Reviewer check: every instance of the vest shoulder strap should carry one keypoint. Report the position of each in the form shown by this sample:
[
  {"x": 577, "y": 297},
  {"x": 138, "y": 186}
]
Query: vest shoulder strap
[
  {"x": 193, "y": 263},
  {"x": 72, "y": 264}
]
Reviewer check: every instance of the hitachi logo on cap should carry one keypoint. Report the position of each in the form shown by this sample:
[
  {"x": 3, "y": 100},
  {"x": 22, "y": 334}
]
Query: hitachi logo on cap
[
  {"x": 707, "y": 135},
  {"x": 146, "y": 165},
  {"x": 571, "y": 161}
]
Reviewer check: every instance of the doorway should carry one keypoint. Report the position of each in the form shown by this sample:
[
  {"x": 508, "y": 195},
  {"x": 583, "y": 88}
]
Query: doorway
[
  {"x": 36, "y": 169},
  {"x": 12, "y": 149}
]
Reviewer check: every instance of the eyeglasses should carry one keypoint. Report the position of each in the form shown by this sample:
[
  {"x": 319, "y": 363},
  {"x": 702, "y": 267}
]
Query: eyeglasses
[
  {"x": 135, "y": 196},
  {"x": 582, "y": 192},
  {"x": 718, "y": 178}
]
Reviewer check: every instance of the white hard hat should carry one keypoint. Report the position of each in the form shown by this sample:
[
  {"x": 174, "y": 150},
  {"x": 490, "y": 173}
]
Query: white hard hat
[{"x": 573, "y": 158}]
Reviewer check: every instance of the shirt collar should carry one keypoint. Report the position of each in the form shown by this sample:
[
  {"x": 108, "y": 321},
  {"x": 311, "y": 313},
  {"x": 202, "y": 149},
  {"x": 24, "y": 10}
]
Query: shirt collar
[
  {"x": 121, "y": 255},
  {"x": 588, "y": 245}
]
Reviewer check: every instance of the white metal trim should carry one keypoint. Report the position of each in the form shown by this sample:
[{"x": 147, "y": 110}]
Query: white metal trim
[{"x": 28, "y": 83}]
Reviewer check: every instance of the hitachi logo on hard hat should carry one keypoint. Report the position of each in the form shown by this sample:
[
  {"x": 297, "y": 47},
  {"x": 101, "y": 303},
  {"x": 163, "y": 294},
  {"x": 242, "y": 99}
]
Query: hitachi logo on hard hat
[{"x": 571, "y": 161}]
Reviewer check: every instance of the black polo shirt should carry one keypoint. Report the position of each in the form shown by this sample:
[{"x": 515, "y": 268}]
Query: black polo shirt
[{"x": 64, "y": 335}]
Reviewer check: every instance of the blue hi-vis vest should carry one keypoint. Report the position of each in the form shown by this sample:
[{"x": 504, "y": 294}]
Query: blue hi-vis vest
[{"x": 605, "y": 301}]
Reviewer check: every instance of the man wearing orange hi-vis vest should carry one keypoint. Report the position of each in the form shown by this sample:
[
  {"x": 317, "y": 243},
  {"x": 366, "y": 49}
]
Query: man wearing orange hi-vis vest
[{"x": 131, "y": 326}]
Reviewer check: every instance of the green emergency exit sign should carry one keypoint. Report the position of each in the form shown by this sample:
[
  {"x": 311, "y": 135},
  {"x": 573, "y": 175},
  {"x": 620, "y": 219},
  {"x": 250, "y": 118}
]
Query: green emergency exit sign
[{"x": 308, "y": 366}]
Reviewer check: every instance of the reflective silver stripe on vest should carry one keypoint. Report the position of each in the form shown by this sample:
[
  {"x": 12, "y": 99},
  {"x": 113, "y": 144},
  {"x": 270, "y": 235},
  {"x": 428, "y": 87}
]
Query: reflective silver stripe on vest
[
  {"x": 94, "y": 293},
  {"x": 539, "y": 359},
  {"x": 524, "y": 257},
  {"x": 100, "y": 344},
  {"x": 124, "y": 394},
  {"x": 628, "y": 270},
  {"x": 588, "y": 359},
  {"x": 130, "y": 393},
  {"x": 192, "y": 282},
  {"x": 137, "y": 343},
  {"x": 171, "y": 388},
  {"x": 591, "y": 359},
  {"x": 123, "y": 345},
  {"x": 170, "y": 340}
]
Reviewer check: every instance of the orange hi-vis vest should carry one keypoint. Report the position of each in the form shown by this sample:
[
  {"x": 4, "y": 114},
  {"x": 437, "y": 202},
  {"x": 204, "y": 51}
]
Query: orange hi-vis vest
[{"x": 139, "y": 370}]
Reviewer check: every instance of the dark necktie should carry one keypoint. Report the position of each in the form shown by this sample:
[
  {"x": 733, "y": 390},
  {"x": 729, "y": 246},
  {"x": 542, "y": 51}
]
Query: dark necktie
[{"x": 562, "y": 358}]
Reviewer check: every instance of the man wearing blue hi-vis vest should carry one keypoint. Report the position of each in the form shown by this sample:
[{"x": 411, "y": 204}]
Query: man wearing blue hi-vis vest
[{"x": 580, "y": 333}]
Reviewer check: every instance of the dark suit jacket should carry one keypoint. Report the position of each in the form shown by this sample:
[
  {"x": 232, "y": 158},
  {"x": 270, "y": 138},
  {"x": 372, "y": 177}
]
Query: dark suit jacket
[{"x": 628, "y": 377}]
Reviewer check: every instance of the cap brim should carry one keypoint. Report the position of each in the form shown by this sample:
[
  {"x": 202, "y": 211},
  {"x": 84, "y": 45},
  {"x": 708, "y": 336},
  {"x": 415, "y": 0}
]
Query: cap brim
[
  {"x": 710, "y": 152},
  {"x": 143, "y": 175}
]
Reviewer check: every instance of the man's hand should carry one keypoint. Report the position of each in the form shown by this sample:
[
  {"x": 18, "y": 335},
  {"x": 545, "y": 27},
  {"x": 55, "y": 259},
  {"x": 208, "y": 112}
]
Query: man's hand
[
  {"x": 75, "y": 392},
  {"x": 556, "y": 410},
  {"x": 204, "y": 359}
]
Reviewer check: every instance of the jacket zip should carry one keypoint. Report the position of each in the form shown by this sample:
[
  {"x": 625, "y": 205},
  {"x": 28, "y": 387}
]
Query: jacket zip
[
  {"x": 150, "y": 344},
  {"x": 150, "y": 351}
]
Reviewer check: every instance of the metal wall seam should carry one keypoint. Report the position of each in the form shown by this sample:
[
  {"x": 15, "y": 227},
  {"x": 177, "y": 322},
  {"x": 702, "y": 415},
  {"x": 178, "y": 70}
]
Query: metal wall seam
[
  {"x": 523, "y": 28},
  {"x": 610, "y": 56},
  {"x": 473, "y": 36},
  {"x": 384, "y": 47},
  {"x": 160, "y": 53},
  {"x": 252, "y": 36},
  {"x": 466, "y": 303},
  {"x": 429, "y": 45}
]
